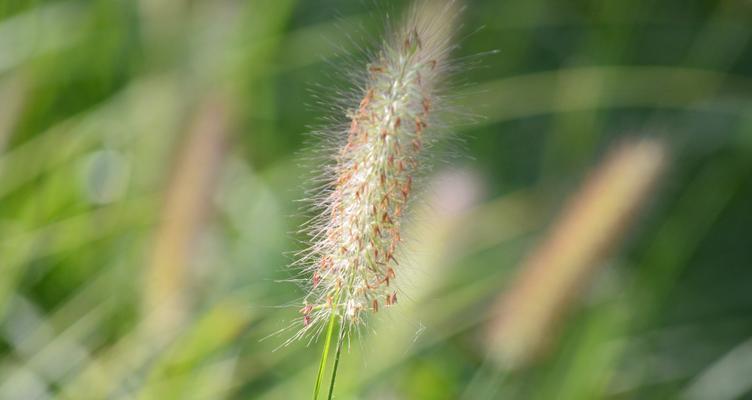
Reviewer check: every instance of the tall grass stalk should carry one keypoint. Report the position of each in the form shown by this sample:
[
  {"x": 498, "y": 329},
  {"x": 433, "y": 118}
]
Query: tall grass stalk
[
  {"x": 325, "y": 355},
  {"x": 340, "y": 342},
  {"x": 379, "y": 153}
]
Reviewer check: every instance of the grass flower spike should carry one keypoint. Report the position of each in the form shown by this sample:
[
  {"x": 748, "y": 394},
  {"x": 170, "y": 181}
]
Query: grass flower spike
[{"x": 353, "y": 262}]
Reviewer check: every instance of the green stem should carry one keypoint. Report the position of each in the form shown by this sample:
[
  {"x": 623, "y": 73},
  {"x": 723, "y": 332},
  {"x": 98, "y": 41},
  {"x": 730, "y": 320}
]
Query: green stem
[
  {"x": 336, "y": 358},
  {"x": 327, "y": 344}
]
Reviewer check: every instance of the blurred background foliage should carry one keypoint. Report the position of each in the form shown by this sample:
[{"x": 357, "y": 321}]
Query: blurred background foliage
[{"x": 150, "y": 159}]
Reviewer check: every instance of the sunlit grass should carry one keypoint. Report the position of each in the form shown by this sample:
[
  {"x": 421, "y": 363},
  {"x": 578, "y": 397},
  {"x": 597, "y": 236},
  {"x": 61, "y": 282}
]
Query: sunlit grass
[{"x": 81, "y": 236}]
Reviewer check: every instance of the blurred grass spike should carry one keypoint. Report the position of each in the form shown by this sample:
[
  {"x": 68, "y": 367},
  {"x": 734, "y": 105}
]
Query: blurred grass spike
[
  {"x": 594, "y": 222},
  {"x": 187, "y": 201}
]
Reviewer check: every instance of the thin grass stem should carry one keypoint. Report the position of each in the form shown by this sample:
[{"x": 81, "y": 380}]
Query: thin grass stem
[
  {"x": 325, "y": 353},
  {"x": 336, "y": 359}
]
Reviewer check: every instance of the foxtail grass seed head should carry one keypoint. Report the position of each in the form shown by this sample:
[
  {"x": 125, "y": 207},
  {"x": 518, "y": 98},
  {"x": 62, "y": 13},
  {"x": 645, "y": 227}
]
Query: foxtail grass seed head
[
  {"x": 354, "y": 261},
  {"x": 595, "y": 221}
]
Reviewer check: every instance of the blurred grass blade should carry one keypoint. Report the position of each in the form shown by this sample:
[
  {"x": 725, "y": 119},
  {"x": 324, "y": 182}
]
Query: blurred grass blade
[
  {"x": 43, "y": 29},
  {"x": 628, "y": 86},
  {"x": 726, "y": 379}
]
